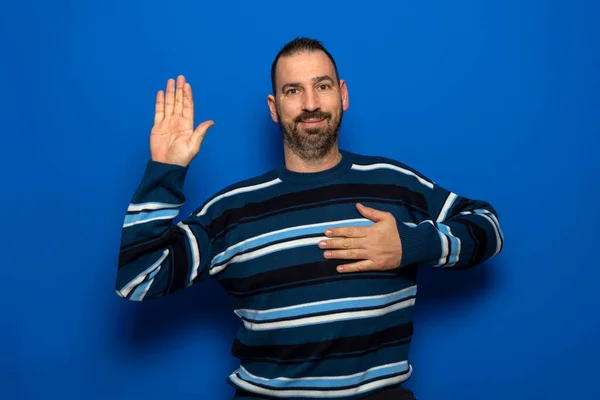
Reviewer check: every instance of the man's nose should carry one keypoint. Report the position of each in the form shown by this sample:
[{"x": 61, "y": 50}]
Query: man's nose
[{"x": 310, "y": 101}]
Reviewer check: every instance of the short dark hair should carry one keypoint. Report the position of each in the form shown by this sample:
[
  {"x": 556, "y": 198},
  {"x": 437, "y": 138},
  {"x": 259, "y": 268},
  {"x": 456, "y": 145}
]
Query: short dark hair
[{"x": 296, "y": 46}]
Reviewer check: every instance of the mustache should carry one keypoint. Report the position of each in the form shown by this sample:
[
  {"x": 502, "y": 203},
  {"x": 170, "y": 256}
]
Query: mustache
[{"x": 312, "y": 114}]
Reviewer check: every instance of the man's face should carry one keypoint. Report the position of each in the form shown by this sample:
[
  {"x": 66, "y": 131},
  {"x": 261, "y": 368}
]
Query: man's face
[{"x": 309, "y": 103}]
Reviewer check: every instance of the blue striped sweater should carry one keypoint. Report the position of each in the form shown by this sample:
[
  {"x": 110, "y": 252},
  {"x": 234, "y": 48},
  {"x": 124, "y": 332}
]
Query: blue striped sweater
[{"x": 306, "y": 330}]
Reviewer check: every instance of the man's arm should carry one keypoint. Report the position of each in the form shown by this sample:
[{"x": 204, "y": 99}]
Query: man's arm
[
  {"x": 460, "y": 233},
  {"x": 158, "y": 257}
]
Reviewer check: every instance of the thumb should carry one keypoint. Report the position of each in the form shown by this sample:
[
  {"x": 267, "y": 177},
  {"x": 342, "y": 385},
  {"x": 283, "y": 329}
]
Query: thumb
[
  {"x": 370, "y": 213},
  {"x": 200, "y": 132}
]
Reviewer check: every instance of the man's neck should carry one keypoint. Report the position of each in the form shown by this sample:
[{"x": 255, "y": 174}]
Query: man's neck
[{"x": 295, "y": 163}]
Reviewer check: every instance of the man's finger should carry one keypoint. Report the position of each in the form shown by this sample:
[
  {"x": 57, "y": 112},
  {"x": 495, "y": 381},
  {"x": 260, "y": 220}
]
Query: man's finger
[
  {"x": 200, "y": 132},
  {"x": 159, "y": 109},
  {"x": 371, "y": 213},
  {"x": 179, "y": 96},
  {"x": 188, "y": 102},
  {"x": 350, "y": 254},
  {"x": 344, "y": 243},
  {"x": 347, "y": 231},
  {"x": 365, "y": 265},
  {"x": 170, "y": 98}
]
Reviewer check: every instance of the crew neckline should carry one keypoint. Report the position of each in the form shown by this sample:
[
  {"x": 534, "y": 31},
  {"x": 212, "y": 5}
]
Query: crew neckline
[{"x": 307, "y": 178}]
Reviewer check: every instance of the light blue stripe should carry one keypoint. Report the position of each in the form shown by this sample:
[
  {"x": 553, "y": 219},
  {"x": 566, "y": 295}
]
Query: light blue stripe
[
  {"x": 328, "y": 383},
  {"x": 275, "y": 237},
  {"x": 331, "y": 306},
  {"x": 149, "y": 215},
  {"x": 137, "y": 293},
  {"x": 453, "y": 256},
  {"x": 221, "y": 267}
]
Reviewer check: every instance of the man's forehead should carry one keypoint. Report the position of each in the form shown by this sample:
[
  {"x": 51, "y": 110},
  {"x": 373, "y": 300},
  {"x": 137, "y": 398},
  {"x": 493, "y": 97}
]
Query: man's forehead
[{"x": 305, "y": 66}]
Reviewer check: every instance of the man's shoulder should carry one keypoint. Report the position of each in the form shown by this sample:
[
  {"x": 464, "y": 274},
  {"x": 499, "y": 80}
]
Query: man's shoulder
[
  {"x": 373, "y": 162},
  {"x": 238, "y": 189}
]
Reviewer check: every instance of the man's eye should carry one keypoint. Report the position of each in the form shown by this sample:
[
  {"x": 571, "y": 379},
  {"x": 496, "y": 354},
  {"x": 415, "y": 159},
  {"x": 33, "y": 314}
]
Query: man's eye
[
  {"x": 324, "y": 87},
  {"x": 291, "y": 91}
]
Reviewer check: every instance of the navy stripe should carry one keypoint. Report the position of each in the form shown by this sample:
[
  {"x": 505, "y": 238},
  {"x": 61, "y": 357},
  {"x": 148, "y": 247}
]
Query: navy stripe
[
  {"x": 233, "y": 254},
  {"x": 273, "y": 261}
]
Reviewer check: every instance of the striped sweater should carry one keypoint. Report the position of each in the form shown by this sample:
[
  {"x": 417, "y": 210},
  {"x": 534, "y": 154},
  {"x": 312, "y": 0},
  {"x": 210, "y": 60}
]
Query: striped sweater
[{"x": 306, "y": 330}]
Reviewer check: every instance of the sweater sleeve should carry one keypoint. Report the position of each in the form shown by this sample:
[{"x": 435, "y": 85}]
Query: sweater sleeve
[
  {"x": 157, "y": 256},
  {"x": 459, "y": 233}
]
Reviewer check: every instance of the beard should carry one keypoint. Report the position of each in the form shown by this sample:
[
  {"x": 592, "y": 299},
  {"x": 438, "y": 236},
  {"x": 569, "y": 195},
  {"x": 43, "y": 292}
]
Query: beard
[{"x": 311, "y": 144}]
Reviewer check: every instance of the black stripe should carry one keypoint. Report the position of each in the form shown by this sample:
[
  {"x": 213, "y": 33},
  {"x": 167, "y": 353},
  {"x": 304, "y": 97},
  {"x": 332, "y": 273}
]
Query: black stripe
[
  {"x": 351, "y": 346},
  {"x": 180, "y": 267},
  {"x": 479, "y": 240},
  {"x": 300, "y": 275},
  {"x": 132, "y": 250},
  {"x": 332, "y": 194},
  {"x": 174, "y": 240},
  {"x": 459, "y": 206}
]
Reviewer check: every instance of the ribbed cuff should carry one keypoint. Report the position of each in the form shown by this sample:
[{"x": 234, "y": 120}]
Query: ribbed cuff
[
  {"x": 416, "y": 244},
  {"x": 170, "y": 174}
]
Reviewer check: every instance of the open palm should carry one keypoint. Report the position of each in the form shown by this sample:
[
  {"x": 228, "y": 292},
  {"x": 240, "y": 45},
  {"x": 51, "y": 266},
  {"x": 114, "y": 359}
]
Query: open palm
[{"x": 173, "y": 139}]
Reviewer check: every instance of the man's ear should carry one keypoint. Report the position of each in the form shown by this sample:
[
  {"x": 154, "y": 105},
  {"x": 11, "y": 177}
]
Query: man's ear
[
  {"x": 344, "y": 94},
  {"x": 272, "y": 107}
]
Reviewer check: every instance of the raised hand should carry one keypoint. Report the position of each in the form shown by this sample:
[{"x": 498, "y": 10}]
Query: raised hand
[{"x": 173, "y": 139}]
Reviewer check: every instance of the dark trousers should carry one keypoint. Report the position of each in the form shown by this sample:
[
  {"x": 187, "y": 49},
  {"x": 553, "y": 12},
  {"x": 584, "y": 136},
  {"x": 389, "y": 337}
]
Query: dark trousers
[{"x": 397, "y": 393}]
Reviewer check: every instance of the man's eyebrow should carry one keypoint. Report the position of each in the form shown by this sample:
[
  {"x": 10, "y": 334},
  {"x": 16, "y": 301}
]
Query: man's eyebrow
[
  {"x": 322, "y": 78},
  {"x": 316, "y": 79}
]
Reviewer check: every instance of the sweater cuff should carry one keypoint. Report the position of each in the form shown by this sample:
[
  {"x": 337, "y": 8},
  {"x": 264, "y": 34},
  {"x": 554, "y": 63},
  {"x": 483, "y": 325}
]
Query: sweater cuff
[
  {"x": 416, "y": 244},
  {"x": 171, "y": 175}
]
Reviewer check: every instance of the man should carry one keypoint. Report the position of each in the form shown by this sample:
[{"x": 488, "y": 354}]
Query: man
[{"x": 319, "y": 256}]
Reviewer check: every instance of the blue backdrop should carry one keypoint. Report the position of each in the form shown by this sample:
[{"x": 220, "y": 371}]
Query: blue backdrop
[{"x": 494, "y": 101}]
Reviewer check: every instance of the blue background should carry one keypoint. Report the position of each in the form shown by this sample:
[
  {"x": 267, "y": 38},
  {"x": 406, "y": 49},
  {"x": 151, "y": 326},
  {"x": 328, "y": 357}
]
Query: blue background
[{"x": 494, "y": 101}]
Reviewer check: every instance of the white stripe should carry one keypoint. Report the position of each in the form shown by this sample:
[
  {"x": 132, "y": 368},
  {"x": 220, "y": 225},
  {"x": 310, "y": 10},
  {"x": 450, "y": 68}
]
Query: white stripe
[
  {"x": 310, "y": 378},
  {"x": 124, "y": 292},
  {"x": 279, "y": 232},
  {"x": 238, "y": 191},
  {"x": 493, "y": 217},
  {"x": 266, "y": 250},
  {"x": 321, "y": 319},
  {"x": 317, "y": 303},
  {"x": 487, "y": 215},
  {"x": 495, "y": 224},
  {"x": 194, "y": 250},
  {"x": 447, "y": 205},
  {"x": 322, "y": 393},
  {"x": 146, "y": 286},
  {"x": 393, "y": 167},
  {"x": 443, "y": 242},
  {"x": 151, "y": 206}
]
